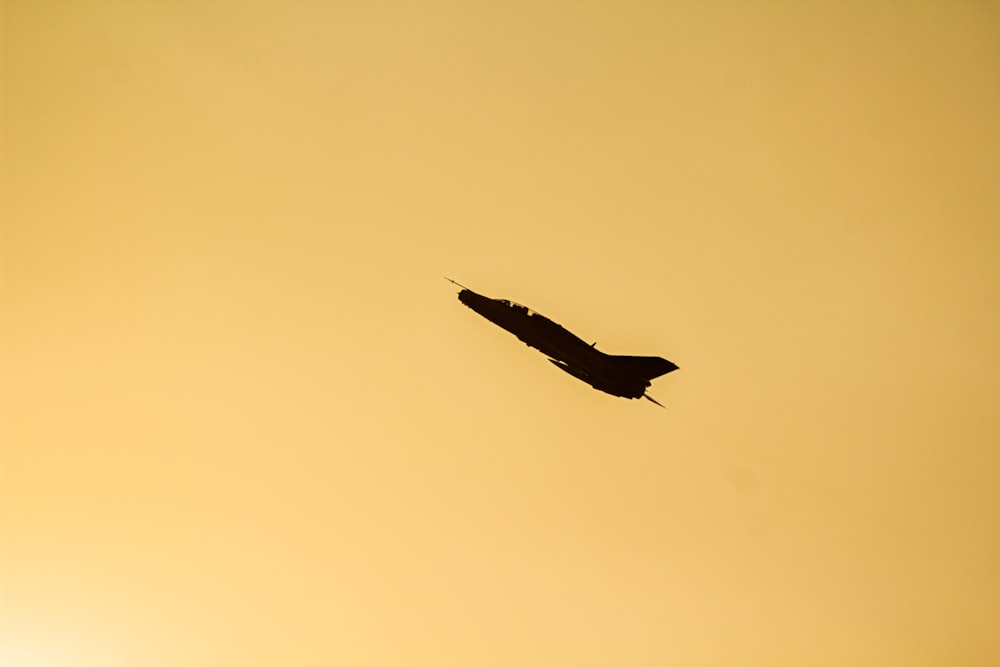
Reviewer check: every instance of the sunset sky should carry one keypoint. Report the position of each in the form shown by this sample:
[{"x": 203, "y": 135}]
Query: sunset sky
[{"x": 246, "y": 423}]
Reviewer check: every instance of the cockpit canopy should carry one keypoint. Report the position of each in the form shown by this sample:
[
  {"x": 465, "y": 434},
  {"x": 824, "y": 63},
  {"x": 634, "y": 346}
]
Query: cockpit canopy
[{"x": 516, "y": 306}]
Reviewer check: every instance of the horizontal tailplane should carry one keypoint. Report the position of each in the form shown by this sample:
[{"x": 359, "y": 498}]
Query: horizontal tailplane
[{"x": 644, "y": 367}]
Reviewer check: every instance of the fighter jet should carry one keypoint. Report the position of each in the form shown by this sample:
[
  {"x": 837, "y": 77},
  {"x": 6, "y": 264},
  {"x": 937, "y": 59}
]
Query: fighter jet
[{"x": 624, "y": 376}]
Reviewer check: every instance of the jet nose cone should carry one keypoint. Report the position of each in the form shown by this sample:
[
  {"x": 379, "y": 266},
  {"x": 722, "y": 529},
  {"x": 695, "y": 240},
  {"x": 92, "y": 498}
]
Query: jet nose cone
[{"x": 468, "y": 297}]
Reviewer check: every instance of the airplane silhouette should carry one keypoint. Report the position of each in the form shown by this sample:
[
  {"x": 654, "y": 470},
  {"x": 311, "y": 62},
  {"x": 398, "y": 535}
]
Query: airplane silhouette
[{"x": 624, "y": 376}]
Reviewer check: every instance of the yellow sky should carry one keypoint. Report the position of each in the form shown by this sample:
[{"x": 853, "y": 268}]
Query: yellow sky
[{"x": 246, "y": 423}]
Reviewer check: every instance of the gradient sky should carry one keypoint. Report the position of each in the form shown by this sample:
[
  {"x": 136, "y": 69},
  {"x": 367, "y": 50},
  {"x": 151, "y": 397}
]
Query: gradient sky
[{"x": 246, "y": 423}]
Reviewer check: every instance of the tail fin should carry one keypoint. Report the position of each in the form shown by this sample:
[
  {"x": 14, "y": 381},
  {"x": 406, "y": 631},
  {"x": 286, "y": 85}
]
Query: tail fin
[{"x": 645, "y": 367}]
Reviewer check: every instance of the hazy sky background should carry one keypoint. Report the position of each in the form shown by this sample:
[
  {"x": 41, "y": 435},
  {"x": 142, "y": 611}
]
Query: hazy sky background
[{"x": 245, "y": 422}]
